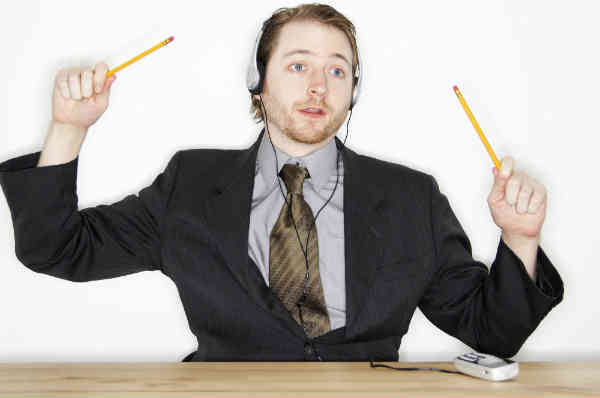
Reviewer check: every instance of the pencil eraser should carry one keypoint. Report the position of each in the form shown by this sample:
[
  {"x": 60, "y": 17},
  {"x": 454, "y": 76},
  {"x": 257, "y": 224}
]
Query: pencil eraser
[
  {"x": 171, "y": 38},
  {"x": 455, "y": 88}
]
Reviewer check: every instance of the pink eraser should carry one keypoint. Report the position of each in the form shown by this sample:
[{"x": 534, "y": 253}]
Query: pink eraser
[
  {"x": 171, "y": 38},
  {"x": 455, "y": 88}
]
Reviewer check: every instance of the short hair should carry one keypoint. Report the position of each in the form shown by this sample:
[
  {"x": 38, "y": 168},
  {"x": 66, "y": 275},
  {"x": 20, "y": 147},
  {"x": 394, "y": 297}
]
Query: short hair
[{"x": 322, "y": 13}]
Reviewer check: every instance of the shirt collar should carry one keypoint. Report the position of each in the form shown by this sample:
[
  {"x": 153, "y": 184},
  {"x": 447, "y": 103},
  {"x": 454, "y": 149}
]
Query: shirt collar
[{"x": 321, "y": 164}]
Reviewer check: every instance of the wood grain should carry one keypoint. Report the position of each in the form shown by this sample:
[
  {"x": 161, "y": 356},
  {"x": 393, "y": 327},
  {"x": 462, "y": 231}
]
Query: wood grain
[{"x": 287, "y": 379}]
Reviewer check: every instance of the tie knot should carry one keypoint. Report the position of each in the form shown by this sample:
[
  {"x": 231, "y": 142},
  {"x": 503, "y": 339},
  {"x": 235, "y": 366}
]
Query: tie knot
[{"x": 293, "y": 177}]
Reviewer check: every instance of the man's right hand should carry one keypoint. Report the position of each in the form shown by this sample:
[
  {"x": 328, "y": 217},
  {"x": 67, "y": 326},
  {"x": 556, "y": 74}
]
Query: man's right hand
[{"x": 80, "y": 95}]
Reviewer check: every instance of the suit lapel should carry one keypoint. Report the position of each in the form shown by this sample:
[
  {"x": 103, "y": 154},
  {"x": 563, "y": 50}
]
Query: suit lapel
[
  {"x": 361, "y": 233},
  {"x": 228, "y": 217},
  {"x": 227, "y": 211}
]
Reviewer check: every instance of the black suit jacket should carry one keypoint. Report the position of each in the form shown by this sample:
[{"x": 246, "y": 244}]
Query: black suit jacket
[{"x": 403, "y": 248}]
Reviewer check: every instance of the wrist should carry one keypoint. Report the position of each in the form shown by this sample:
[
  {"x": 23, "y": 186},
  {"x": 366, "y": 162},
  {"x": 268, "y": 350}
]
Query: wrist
[
  {"x": 520, "y": 240},
  {"x": 66, "y": 129},
  {"x": 526, "y": 248},
  {"x": 62, "y": 144}
]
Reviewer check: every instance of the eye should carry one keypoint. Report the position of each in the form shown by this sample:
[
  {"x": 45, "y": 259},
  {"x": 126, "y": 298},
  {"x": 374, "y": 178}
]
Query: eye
[
  {"x": 338, "y": 72},
  {"x": 294, "y": 67}
]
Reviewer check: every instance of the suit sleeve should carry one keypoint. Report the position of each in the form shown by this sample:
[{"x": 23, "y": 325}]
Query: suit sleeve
[
  {"x": 492, "y": 312},
  {"x": 53, "y": 237}
]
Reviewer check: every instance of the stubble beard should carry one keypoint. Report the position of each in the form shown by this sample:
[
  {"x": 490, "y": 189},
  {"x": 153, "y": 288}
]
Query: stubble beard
[{"x": 308, "y": 132}]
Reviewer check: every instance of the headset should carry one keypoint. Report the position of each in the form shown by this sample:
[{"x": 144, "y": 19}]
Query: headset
[{"x": 255, "y": 78}]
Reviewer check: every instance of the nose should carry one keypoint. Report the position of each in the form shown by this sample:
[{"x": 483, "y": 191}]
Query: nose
[{"x": 318, "y": 84}]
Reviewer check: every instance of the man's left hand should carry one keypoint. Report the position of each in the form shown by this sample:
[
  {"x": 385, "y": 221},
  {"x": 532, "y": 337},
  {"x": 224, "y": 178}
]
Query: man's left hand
[{"x": 517, "y": 203}]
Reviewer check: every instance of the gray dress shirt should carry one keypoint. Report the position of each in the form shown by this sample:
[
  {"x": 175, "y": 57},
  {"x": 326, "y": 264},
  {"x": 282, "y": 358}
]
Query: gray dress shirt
[{"x": 267, "y": 201}]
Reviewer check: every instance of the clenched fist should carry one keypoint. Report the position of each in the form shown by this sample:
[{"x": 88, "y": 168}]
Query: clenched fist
[
  {"x": 80, "y": 95},
  {"x": 517, "y": 202}
]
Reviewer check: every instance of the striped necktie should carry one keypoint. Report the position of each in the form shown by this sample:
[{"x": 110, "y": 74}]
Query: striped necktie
[{"x": 287, "y": 264}]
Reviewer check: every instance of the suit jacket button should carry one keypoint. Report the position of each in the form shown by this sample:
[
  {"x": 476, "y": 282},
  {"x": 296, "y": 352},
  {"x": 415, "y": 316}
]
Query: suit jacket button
[{"x": 308, "y": 349}]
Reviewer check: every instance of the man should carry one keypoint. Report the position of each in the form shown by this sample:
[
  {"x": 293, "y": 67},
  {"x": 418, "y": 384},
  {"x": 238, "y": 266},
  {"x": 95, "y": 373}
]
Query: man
[{"x": 296, "y": 248}]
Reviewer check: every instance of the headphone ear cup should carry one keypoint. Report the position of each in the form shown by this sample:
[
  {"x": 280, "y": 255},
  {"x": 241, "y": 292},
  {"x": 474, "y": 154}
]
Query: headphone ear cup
[
  {"x": 255, "y": 84},
  {"x": 261, "y": 76},
  {"x": 256, "y": 70},
  {"x": 355, "y": 88}
]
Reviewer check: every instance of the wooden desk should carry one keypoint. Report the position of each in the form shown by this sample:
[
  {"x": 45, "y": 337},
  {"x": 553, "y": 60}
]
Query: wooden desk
[{"x": 287, "y": 379}]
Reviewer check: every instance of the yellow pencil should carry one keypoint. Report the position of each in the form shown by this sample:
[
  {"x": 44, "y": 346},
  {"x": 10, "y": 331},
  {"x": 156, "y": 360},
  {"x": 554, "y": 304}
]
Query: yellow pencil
[
  {"x": 477, "y": 128},
  {"x": 137, "y": 57}
]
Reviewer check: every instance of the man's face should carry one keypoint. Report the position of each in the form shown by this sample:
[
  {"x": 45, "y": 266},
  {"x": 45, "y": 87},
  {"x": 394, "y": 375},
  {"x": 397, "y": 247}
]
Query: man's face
[{"x": 310, "y": 67}]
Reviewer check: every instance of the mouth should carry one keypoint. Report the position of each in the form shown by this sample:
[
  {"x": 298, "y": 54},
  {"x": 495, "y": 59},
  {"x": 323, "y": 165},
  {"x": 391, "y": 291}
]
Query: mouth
[{"x": 313, "y": 111}]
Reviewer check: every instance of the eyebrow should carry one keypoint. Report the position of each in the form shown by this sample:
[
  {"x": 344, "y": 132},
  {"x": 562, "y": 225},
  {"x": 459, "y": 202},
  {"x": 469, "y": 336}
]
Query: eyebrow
[{"x": 336, "y": 55}]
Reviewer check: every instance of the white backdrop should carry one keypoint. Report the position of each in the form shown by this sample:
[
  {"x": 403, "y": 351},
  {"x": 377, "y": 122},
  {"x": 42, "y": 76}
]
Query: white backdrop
[{"x": 528, "y": 69}]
